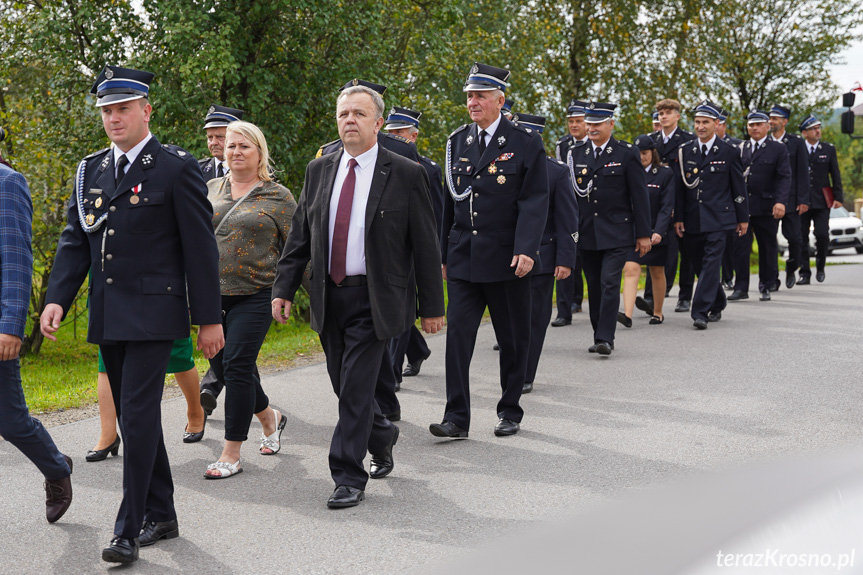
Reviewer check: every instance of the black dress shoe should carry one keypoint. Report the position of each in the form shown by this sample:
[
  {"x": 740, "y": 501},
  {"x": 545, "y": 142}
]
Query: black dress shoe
[
  {"x": 121, "y": 550},
  {"x": 345, "y": 496},
  {"x": 190, "y": 437},
  {"x": 790, "y": 279},
  {"x": 765, "y": 295},
  {"x": 496, "y": 347},
  {"x": 153, "y": 531},
  {"x": 208, "y": 401},
  {"x": 803, "y": 281},
  {"x": 738, "y": 295},
  {"x": 682, "y": 305},
  {"x": 394, "y": 416},
  {"x": 700, "y": 324},
  {"x": 714, "y": 316},
  {"x": 447, "y": 429},
  {"x": 100, "y": 454},
  {"x": 592, "y": 349},
  {"x": 527, "y": 387},
  {"x": 820, "y": 276},
  {"x": 623, "y": 320},
  {"x": 728, "y": 286},
  {"x": 381, "y": 465},
  {"x": 642, "y": 304},
  {"x": 560, "y": 322},
  {"x": 604, "y": 348},
  {"x": 58, "y": 494},
  {"x": 414, "y": 368},
  {"x": 506, "y": 427},
  {"x": 774, "y": 287}
]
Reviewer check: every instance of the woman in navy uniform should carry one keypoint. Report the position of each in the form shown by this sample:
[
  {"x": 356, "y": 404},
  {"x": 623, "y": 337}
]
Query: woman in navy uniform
[{"x": 660, "y": 188}]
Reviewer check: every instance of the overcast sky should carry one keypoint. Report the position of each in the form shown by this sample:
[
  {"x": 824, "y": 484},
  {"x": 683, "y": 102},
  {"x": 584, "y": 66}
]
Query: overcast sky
[{"x": 850, "y": 72}]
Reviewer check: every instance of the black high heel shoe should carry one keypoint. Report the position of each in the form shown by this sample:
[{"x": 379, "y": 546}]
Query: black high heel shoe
[
  {"x": 100, "y": 454},
  {"x": 189, "y": 437}
]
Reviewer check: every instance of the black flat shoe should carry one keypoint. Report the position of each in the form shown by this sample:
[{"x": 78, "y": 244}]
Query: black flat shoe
[
  {"x": 414, "y": 368},
  {"x": 100, "y": 454},
  {"x": 345, "y": 496},
  {"x": 382, "y": 465},
  {"x": 208, "y": 401},
  {"x": 700, "y": 324},
  {"x": 623, "y": 319},
  {"x": 642, "y": 304},
  {"x": 527, "y": 387},
  {"x": 153, "y": 531},
  {"x": 506, "y": 427},
  {"x": 560, "y": 322},
  {"x": 447, "y": 429},
  {"x": 121, "y": 550},
  {"x": 592, "y": 349},
  {"x": 604, "y": 348},
  {"x": 656, "y": 320},
  {"x": 189, "y": 437}
]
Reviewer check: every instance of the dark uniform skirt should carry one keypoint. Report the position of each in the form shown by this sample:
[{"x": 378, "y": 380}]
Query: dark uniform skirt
[{"x": 655, "y": 257}]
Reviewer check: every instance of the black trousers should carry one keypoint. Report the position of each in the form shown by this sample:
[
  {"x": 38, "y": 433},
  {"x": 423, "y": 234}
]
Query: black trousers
[
  {"x": 136, "y": 370},
  {"x": 570, "y": 291},
  {"x": 728, "y": 257},
  {"x": 417, "y": 346},
  {"x": 541, "y": 288},
  {"x": 354, "y": 358},
  {"x": 670, "y": 270},
  {"x": 764, "y": 229},
  {"x": 602, "y": 270},
  {"x": 410, "y": 344},
  {"x": 705, "y": 254},
  {"x": 820, "y": 218},
  {"x": 246, "y": 320},
  {"x": 791, "y": 231},
  {"x": 385, "y": 389},
  {"x": 508, "y": 306}
]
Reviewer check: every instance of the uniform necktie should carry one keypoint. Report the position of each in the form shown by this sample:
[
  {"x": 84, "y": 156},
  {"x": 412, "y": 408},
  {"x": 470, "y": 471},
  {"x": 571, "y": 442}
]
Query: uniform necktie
[
  {"x": 755, "y": 148},
  {"x": 121, "y": 164},
  {"x": 703, "y": 150},
  {"x": 338, "y": 261},
  {"x": 482, "y": 136},
  {"x": 219, "y": 171},
  {"x": 596, "y": 152}
]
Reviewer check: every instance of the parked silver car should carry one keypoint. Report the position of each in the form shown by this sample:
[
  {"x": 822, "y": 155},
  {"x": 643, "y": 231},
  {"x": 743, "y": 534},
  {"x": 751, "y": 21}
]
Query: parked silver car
[{"x": 846, "y": 231}]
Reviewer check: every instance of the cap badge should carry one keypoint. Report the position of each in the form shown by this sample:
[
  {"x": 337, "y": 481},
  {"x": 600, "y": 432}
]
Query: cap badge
[
  {"x": 475, "y": 69},
  {"x": 109, "y": 73},
  {"x": 354, "y": 82},
  {"x": 212, "y": 110},
  {"x": 392, "y": 111},
  {"x": 592, "y": 106}
]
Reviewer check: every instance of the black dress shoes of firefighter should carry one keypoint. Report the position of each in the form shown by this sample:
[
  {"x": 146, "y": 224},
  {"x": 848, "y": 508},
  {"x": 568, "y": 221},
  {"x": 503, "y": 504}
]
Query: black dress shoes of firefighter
[
  {"x": 121, "y": 550},
  {"x": 506, "y": 427},
  {"x": 447, "y": 429},
  {"x": 153, "y": 531},
  {"x": 382, "y": 465},
  {"x": 345, "y": 496}
]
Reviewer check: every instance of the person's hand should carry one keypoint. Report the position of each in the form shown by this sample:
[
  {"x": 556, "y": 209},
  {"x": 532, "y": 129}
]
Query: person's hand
[
  {"x": 655, "y": 239},
  {"x": 10, "y": 345},
  {"x": 642, "y": 245},
  {"x": 679, "y": 229},
  {"x": 522, "y": 264},
  {"x": 562, "y": 272},
  {"x": 778, "y": 211},
  {"x": 837, "y": 204},
  {"x": 211, "y": 339},
  {"x": 49, "y": 323},
  {"x": 742, "y": 228},
  {"x": 431, "y": 324},
  {"x": 802, "y": 209},
  {"x": 281, "y": 310},
  {"x": 443, "y": 271}
]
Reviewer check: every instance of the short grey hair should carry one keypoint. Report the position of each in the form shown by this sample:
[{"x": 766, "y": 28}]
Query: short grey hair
[{"x": 376, "y": 98}]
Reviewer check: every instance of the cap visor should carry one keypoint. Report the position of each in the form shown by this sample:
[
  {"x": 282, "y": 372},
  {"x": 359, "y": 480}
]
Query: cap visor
[
  {"x": 216, "y": 124},
  {"x": 116, "y": 99},
  {"x": 595, "y": 120},
  {"x": 480, "y": 88},
  {"x": 397, "y": 126}
]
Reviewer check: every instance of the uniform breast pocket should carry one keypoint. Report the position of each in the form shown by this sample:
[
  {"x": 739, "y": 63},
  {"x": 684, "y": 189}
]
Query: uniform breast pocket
[
  {"x": 719, "y": 168},
  {"x": 612, "y": 174},
  {"x": 147, "y": 214},
  {"x": 503, "y": 178}
]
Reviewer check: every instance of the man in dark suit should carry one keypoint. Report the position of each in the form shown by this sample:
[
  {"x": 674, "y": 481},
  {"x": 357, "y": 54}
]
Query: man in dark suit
[
  {"x": 493, "y": 218},
  {"x": 613, "y": 217},
  {"x": 727, "y": 259},
  {"x": 556, "y": 251},
  {"x": 149, "y": 272},
  {"x": 570, "y": 291},
  {"x": 668, "y": 141},
  {"x": 825, "y": 192},
  {"x": 798, "y": 198},
  {"x": 366, "y": 222},
  {"x": 767, "y": 172},
  {"x": 711, "y": 203}
]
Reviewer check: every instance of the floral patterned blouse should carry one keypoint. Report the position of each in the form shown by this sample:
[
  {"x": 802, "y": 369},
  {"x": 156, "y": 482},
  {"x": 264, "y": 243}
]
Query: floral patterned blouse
[{"x": 251, "y": 239}]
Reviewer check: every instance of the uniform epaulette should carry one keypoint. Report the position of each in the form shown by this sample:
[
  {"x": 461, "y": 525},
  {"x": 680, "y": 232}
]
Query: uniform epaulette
[
  {"x": 203, "y": 161},
  {"x": 176, "y": 150},
  {"x": 559, "y": 162},
  {"x": 99, "y": 153},
  {"x": 397, "y": 137},
  {"x": 562, "y": 139},
  {"x": 828, "y": 144},
  {"x": 429, "y": 160},
  {"x": 327, "y": 145},
  {"x": 459, "y": 129},
  {"x": 524, "y": 129}
]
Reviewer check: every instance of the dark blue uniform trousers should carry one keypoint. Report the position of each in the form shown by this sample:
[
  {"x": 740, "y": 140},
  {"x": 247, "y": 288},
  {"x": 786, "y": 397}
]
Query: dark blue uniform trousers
[
  {"x": 821, "y": 219},
  {"x": 508, "y": 305},
  {"x": 705, "y": 253},
  {"x": 541, "y": 288},
  {"x": 602, "y": 270},
  {"x": 728, "y": 257},
  {"x": 136, "y": 370},
  {"x": 570, "y": 291},
  {"x": 764, "y": 228},
  {"x": 24, "y": 431},
  {"x": 411, "y": 344},
  {"x": 354, "y": 359},
  {"x": 385, "y": 389},
  {"x": 791, "y": 231}
]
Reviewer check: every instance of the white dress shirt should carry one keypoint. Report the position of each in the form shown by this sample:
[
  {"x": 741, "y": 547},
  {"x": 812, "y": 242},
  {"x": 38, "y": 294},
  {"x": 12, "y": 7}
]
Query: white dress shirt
[
  {"x": 131, "y": 155},
  {"x": 709, "y": 143},
  {"x": 355, "y": 260},
  {"x": 489, "y": 132},
  {"x": 760, "y": 143},
  {"x": 666, "y": 137}
]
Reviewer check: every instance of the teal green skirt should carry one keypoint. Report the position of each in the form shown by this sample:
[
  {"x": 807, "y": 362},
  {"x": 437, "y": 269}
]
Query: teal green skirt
[{"x": 181, "y": 357}]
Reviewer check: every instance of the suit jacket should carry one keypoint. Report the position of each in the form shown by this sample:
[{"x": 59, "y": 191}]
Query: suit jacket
[
  {"x": 208, "y": 168},
  {"x": 435, "y": 189},
  {"x": 391, "y": 142},
  {"x": 718, "y": 202},
  {"x": 557, "y": 246},
  {"x": 823, "y": 173},
  {"x": 505, "y": 212},
  {"x": 660, "y": 189},
  {"x": 769, "y": 176},
  {"x": 668, "y": 152},
  {"x": 617, "y": 210},
  {"x": 797, "y": 158},
  {"x": 153, "y": 249},
  {"x": 400, "y": 239}
]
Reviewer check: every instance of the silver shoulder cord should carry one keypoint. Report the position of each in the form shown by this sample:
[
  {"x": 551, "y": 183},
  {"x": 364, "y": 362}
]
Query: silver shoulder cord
[
  {"x": 456, "y": 196},
  {"x": 687, "y": 183},
  {"x": 79, "y": 197},
  {"x": 579, "y": 191},
  {"x": 748, "y": 168}
]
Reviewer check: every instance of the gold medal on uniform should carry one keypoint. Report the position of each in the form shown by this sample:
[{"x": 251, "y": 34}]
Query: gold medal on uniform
[
  {"x": 98, "y": 202},
  {"x": 695, "y": 170},
  {"x": 501, "y": 179},
  {"x": 584, "y": 171},
  {"x": 492, "y": 169},
  {"x": 90, "y": 219},
  {"x": 579, "y": 180},
  {"x": 135, "y": 199}
]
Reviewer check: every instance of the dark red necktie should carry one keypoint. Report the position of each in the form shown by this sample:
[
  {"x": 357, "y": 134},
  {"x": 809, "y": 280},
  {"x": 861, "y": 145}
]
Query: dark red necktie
[{"x": 338, "y": 259}]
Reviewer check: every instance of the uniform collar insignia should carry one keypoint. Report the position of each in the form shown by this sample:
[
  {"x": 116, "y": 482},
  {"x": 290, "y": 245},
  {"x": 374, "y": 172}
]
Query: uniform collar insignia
[
  {"x": 608, "y": 150},
  {"x": 715, "y": 148},
  {"x": 104, "y": 165},
  {"x": 501, "y": 141},
  {"x": 146, "y": 160},
  {"x": 469, "y": 140}
]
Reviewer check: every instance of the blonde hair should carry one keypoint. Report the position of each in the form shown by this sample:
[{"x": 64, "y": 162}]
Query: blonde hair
[{"x": 254, "y": 134}]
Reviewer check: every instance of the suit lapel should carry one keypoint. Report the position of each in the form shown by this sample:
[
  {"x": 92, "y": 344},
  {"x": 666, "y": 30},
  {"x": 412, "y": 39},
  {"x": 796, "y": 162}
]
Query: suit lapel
[
  {"x": 498, "y": 140},
  {"x": 329, "y": 181},
  {"x": 105, "y": 181},
  {"x": 376, "y": 190},
  {"x": 471, "y": 151},
  {"x": 136, "y": 174}
]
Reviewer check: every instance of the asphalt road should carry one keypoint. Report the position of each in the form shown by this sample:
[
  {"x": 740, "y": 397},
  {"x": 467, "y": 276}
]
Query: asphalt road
[{"x": 771, "y": 379}]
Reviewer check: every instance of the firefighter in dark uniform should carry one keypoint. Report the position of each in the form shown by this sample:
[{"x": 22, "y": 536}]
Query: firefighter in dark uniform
[
  {"x": 140, "y": 220},
  {"x": 614, "y": 217},
  {"x": 570, "y": 291},
  {"x": 711, "y": 203},
  {"x": 215, "y": 123},
  {"x": 494, "y": 214},
  {"x": 825, "y": 192},
  {"x": 768, "y": 183},
  {"x": 798, "y": 198},
  {"x": 507, "y": 109},
  {"x": 727, "y": 259},
  {"x": 556, "y": 251}
]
